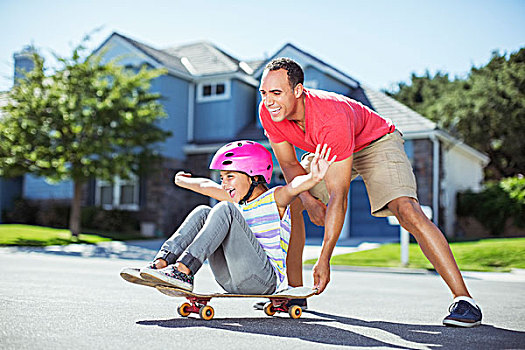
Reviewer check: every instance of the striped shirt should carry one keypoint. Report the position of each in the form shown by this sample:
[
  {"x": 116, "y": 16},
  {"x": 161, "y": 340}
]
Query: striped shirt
[{"x": 272, "y": 232}]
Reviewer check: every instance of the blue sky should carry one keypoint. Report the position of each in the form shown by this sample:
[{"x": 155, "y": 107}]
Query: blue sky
[{"x": 378, "y": 43}]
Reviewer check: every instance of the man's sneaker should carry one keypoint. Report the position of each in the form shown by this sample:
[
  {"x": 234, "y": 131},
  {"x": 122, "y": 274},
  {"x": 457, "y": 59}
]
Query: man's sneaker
[
  {"x": 132, "y": 275},
  {"x": 168, "y": 276},
  {"x": 463, "y": 314},
  {"x": 301, "y": 302}
]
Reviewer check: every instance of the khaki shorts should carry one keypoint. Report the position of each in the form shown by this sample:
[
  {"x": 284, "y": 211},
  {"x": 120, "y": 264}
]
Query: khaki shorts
[{"x": 385, "y": 169}]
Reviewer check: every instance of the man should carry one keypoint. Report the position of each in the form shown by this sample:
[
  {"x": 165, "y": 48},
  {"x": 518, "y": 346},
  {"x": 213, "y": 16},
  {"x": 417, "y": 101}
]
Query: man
[{"x": 365, "y": 144}]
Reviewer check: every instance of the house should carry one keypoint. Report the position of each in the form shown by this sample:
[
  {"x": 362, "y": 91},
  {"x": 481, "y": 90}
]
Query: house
[{"x": 211, "y": 98}]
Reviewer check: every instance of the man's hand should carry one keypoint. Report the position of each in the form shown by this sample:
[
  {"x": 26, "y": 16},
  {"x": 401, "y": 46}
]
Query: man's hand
[
  {"x": 316, "y": 210},
  {"x": 321, "y": 272}
]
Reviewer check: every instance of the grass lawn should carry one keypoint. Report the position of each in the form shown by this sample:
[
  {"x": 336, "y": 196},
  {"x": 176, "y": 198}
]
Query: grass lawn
[
  {"x": 26, "y": 235},
  {"x": 484, "y": 255}
]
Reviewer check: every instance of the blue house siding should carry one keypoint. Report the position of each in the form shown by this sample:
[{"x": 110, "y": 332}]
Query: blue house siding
[
  {"x": 222, "y": 120},
  {"x": 362, "y": 223},
  {"x": 175, "y": 98},
  {"x": 325, "y": 82},
  {"x": 245, "y": 96},
  {"x": 10, "y": 189},
  {"x": 37, "y": 188},
  {"x": 213, "y": 120}
]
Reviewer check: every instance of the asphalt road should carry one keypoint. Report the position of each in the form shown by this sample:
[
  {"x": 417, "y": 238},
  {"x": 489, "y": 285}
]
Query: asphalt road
[{"x": 50, "y": 301}]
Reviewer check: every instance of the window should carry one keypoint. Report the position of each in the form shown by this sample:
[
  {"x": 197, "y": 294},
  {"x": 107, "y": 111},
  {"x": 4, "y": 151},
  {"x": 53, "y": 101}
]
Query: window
[
  {"x": 119, "y": 194},
  {"x": 219, "y": 89},
  {"x": 213, "y": 91},
  {"x": 206, "y": 90}
]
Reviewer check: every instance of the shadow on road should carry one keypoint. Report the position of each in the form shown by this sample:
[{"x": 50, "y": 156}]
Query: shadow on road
[
  {"x": 344, "y": 331},
  {"x": 140, "y": 250}
]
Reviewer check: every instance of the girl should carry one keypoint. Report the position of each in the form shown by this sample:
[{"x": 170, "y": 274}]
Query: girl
[{"x": 245, "y": 236}]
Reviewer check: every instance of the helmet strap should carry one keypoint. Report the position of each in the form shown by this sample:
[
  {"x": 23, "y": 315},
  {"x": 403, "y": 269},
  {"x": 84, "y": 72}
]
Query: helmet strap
[{"x": 253, "y": 185}]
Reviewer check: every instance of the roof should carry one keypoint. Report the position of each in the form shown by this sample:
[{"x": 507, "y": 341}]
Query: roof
[
  {"x": 411, "y": 123},
  {"x": 304, "y": 58},
  {"x": 167, "y": 60},
  {"x": 204, "y": 58},
  {"x": 196, "y": 59},
  {"x": 404, "y": 118},
  {"x": 256, "y": 64}
]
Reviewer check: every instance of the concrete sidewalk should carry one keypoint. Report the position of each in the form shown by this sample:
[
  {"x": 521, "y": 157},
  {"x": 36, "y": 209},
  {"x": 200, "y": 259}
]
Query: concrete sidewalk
[{"x": 146, "y": 249}]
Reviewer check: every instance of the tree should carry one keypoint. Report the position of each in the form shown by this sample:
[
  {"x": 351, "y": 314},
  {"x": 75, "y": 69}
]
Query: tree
[
  {"x": 486, "y": 109},
  {"x": 84, "y": 120},
  {"x": 423, "y": 91}
]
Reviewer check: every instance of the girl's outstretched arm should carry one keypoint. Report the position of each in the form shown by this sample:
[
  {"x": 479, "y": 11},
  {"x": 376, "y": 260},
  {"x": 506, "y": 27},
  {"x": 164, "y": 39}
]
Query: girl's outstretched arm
[
  {"x": 201, "y": 185},
  {"x": 318, "y": 169}
]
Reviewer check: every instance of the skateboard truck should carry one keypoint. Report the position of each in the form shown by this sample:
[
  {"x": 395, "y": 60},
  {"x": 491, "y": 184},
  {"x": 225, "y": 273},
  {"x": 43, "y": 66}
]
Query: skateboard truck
[
  {"x": 197, "y": 306},
  {"x": 281, "y": 305}
]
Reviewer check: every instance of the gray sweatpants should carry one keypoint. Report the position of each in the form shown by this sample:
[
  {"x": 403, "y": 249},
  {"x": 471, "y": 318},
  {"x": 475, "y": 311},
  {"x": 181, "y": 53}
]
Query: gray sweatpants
[{"x": 221, "y": 235}]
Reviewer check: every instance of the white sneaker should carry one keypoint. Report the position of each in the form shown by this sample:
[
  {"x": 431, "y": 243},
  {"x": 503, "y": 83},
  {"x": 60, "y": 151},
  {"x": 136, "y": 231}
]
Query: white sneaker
[{"x": 168, "y": 276}]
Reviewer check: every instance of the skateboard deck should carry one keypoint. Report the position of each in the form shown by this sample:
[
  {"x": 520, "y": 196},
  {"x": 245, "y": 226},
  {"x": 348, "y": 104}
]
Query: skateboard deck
[
  {"x": 278, "y": 301},
  {"x": 132, "y": 275}
]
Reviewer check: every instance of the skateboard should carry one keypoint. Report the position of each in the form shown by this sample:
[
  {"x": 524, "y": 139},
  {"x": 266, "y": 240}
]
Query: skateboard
[
  {"x": 132, "y": 275},
  {"x": 198, "y": 302}
]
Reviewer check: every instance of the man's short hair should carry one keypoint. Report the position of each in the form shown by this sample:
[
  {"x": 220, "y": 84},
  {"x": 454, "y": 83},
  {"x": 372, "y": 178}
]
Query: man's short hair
[{"x": 293, "y": 69}]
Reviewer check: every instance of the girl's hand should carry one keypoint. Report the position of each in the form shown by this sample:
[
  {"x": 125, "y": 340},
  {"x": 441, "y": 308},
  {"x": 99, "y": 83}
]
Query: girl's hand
[
  {"x": 180, "y": 176},
  {"x": 321, "y": 162}
]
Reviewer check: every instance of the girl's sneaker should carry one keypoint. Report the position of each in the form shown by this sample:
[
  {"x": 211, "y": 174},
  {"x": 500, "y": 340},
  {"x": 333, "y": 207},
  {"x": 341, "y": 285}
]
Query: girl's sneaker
[
  {"x": 132, "y": 275},
  {"x": 169, "y": 276}
]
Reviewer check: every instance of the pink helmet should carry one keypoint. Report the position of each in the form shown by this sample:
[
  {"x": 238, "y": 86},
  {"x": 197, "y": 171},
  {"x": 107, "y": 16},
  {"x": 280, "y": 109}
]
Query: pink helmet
[{"x": 247, "y": 156}]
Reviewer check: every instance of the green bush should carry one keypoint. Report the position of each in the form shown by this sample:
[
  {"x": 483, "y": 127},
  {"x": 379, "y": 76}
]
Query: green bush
[
  {"x": 53, "y": 214},
  {"x": 23, "y": 212},
  {"x": 515, "y": 187},
  {"x": 498, "y": 202},
  {"x": 56, "y": 214},
  {"x": 110, "y": 220}
]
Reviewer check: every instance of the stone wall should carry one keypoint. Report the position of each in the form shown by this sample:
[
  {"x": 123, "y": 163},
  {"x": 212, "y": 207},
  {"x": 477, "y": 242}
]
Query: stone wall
[
  {"x": 423, "y": 169},
  {"x": 166, "y": 204},
  {"x": 470, "y": 228}
]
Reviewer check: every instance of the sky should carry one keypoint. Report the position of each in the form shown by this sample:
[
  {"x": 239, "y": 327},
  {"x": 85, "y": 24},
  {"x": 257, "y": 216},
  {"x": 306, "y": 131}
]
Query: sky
[{"x": 378, "y": 43}]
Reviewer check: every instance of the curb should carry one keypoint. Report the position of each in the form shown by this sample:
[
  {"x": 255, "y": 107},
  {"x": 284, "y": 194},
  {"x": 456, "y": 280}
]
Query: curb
[{"x": 398, "y": 270}]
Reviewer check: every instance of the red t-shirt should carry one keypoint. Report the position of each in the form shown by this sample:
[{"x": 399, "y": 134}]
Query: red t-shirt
[{"x": 339, "y": 121}]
